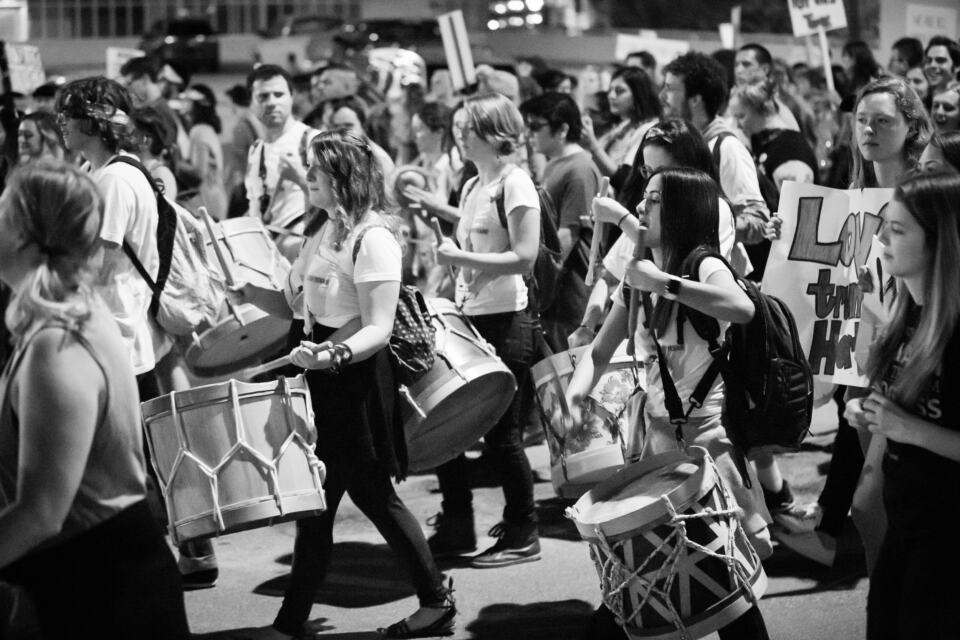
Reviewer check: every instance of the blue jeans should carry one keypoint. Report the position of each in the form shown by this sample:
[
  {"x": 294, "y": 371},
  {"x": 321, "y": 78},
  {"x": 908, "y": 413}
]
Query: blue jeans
[{"x": 511, "y": 334}]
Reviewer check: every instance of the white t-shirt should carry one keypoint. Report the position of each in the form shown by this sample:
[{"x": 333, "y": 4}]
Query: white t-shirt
[
  {"x": 130, "y": 211},
  {"x": 287, "y": 199},
  {"x": 687, "y": 362},
  {"x": 615, "y": 262},
  {"x": 480, "y": 231},
  {"x": 321, "y": 287}
]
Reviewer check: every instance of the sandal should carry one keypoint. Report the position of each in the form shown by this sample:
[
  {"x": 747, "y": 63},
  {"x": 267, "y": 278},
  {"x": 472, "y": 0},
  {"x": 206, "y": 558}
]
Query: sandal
[{"x": 442, "y": 626}]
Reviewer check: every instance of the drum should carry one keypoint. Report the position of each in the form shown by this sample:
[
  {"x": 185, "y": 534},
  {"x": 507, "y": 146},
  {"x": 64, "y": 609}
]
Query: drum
[
  {"x": 234, "y": 456},
  {"x": 673, "y": 560},
  {"x": 598, "y": 447},
  {"x": 242, "y": 334},
  {"x": 465, "y": 393}
]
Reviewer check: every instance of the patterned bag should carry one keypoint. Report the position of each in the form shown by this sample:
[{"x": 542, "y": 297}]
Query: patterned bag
[{"x": 412, "y": 346}]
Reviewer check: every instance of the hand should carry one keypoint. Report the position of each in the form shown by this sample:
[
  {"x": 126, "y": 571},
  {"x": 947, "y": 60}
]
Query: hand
[
  {"x": 573, "y": 420},
  {"x": 423, "y": 198},
  {"x": 855, "y": 414},
  {"x": 646, "y": 276},
  {"x": 581, "y": 337},
  {"x": 241, "y": 293},
  {"x": 772, "y": 229},
  {"x": 447, "y": 252},
  {"x": 293, "y": 172},
  {"x": 588, "y": 138},
  {"x": 310, "y": 355},
  {"x": 885, "y": 417},
  {"x": 865, "y": 279},
  {"x": 607, "y": 210}
]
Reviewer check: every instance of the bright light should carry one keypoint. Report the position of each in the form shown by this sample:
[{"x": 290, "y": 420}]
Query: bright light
[
  {"x": 515, "y": 5},
  {"x": 535, "y": 5},
  {"x": 515, "y": 21},
  {"x": 500, "y": 8},
  {"x": 534, "y": 18},
  {"x": 493, "y": 25}
]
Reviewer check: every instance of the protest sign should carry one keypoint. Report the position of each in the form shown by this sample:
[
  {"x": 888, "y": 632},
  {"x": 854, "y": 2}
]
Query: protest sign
[
  {"x": 825, "y": 236},
  {"x": 21, "y": 67},
  {"x": 456, "y": 47},
  {"x": 807, "y": 16},
  {"x": 663, "y": 49}
]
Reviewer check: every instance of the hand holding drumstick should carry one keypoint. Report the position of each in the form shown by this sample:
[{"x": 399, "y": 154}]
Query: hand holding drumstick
[{"x": 595, "y": 241}]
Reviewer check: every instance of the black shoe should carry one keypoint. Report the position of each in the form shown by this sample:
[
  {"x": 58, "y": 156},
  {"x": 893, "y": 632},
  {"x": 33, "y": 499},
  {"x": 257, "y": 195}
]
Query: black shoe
[
  {"x": 442, "y": 626},
  {"x": 204, "y": 579},
  {"x": 452, "y": 536},
  {"x": 518, "y": 543}
]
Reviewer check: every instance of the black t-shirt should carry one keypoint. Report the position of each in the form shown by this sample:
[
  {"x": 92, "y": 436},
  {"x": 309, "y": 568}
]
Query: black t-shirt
[
  {"x": 774, "y": 147},
  {"x": 922, "y": 488}
]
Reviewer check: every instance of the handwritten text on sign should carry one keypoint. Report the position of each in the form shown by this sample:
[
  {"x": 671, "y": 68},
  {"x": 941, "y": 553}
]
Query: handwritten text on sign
[
  {"x": 826, "y": 235},
  {"x": 807, "y": 16}
]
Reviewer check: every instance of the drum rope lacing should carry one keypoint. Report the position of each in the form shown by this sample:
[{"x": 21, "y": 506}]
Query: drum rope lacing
[{"x": 616, "y": 576}]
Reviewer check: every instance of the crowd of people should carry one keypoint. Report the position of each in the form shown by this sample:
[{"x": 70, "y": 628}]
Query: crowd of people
[{"x": 355, "y": 175}]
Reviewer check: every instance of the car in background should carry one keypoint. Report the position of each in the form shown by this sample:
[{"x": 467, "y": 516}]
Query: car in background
[
  {"x": 351, "y": 39},
  {"x": 184, "y": 43},
  {"x": 285, "y": 43}
]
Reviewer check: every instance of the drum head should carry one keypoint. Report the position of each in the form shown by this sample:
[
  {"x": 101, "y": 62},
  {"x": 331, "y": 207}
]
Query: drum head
[{"x": 232, "y": 345}]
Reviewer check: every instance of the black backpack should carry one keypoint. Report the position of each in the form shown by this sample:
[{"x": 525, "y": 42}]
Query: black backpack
[
  {"x": 768, "y": 383},
  {"x": 543, "y": 283}
]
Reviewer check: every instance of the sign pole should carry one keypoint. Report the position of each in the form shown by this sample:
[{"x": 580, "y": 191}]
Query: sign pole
[{"x": 825, "y": 54}]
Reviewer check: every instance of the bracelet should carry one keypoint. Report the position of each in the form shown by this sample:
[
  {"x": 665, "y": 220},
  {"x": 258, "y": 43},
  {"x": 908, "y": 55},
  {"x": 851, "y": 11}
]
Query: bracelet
[
  {"x": 620, "y": 221},
  {"x": 340, "y": 355},
  {"x": 590, "y": 329}
]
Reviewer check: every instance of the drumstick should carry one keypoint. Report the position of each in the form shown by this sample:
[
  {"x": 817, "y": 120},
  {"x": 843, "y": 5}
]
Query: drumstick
[
  {"x": 595, "y": 241},
  {"x": 250, "y": 372},
  {"x": 638, "y": 250},
  {"x": 437, "y": 231},
  {"x": 207, "y": 220}
]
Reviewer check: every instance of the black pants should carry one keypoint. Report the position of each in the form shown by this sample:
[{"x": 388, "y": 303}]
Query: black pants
[
  {"x": 115, "y": 581},
  {"x": 845, "y": 467},
  {"x": 913, "y": 589},
  {"x": 511, "y": 335},
  {"x": 371, "y": 489}
]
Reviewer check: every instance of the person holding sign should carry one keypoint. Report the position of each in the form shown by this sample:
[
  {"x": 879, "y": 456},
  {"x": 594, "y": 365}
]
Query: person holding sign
[
  {"x": 913, "y": 403},
  {"x": 680, "y": 210}
]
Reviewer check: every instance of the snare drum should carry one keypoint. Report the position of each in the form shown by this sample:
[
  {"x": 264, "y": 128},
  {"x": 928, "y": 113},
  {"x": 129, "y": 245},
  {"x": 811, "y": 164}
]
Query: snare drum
[
  {"x": 242, "y": 334},
  {"x": 465, "y": 393},
  {"x": 598, "y": 447},
  {"x": 234, "y": 456},
  {"x": 669, "y": 519}
]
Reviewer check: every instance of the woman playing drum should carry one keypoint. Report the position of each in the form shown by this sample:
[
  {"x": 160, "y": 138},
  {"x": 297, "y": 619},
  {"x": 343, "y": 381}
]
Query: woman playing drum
[
  {"x": 912, "y": 368},
  {"x": 346, "y": 283},
  {"x": 680, "y": 210},
  {"x": 75, "y": 529}
]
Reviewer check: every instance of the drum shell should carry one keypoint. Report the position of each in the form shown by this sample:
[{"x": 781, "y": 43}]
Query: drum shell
[
  {"x": 705, "y": 593},
  {"x": 465, "y": 393},
  {"x": 233, "y": 456},
  {"x": 608, "y": 435}
]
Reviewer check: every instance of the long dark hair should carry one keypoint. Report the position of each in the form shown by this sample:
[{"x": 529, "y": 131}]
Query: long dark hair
[
  {"x": 689, "y": 215},
  {"x": 949, "y": 144},
  {"x": 205, "y": 109},
  {"x": 646, "y": 102}
]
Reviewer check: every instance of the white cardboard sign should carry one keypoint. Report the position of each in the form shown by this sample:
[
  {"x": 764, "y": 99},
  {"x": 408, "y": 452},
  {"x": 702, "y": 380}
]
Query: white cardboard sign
[
  {"x": 808, "y": 15},
  {"x": 456, "y": 47}
]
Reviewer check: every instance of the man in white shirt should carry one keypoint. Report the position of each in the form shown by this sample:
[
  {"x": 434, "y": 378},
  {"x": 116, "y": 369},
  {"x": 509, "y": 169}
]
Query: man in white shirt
[{"x": 277, "y": 163}]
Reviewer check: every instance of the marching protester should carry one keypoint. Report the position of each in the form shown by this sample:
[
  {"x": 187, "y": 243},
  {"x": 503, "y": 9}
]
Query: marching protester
[
  {"x": 141, "y": 76},
  {"x": 246, "y": 130},
  {"x": 155, "y": 147},
  {"x": 905, "y": 54},
  {"x": 680, "y": 211},
  {"x": 754, "y": 63},
  {"x": 38, "y": 136},
  {"x": 206, "y": 152},
  {"x": 491, "y": 291},
  {"x": 912, "y": 403},
  {"x": 945, "y": 108},
  {"x": 75, "y": 528},
  {"x": 345, "y": 283},
  {"x": 277, "y": 162}
]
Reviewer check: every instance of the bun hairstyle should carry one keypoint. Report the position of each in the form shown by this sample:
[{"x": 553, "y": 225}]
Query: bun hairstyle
[
  {"x": 759, "y": 96},
  {"x": 56, "y": 208},
  {"x": 496, "y": 120}
]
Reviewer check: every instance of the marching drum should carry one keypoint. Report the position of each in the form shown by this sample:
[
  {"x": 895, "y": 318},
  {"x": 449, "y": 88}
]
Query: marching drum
[
  {"x": 233, "y": 456},
  {"x": 461, "y": 398},
  {"x": 598, "y": 447},
  {"x": 242, "y": 334},
  {"x": 673, "y": 560}
]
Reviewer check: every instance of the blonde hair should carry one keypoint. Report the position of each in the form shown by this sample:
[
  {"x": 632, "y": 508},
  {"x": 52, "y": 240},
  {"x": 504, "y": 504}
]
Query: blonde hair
[
  {"x": 760, "y": 96},
  {"x": 57, "y": 208},
  {"x": 496, "y": 120}
]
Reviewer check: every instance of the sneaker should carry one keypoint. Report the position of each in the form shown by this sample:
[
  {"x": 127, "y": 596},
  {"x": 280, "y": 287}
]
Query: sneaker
[
  {"x": 798, "y": 518},
  {"x": 815, "y": 545},
  {"x": 516, "y": 544},
  {"x": 198, "y": 573},
  {"x": 452, "y": 535}
]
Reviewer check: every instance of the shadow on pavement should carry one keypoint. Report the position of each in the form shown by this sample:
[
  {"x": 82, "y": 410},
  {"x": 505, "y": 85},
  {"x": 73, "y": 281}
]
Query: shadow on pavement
[
  {"x": 846, "y": 573},
  {"x": 246, "y": 633},
  {"x": 361, "y": 575},
  {"x": 553, "y": 522},
  {"x": 537, "y": 621}
]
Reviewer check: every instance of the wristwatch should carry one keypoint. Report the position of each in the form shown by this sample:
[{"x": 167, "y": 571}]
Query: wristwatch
[{"x": 672, "y": 288}]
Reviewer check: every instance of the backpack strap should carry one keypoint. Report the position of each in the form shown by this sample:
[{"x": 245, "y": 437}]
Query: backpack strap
[{"x": 715, "y": 154}]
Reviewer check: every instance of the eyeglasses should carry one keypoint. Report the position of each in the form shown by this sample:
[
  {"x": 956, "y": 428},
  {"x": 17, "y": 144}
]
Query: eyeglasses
[{"x": 536, "y": 126}]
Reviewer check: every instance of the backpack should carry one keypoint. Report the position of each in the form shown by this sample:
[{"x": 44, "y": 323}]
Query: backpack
[
  {"x": 543, "y": 283},
  {"x": 412, "y": 347},
  {"x": 186, "y": 292},
  {"x": 768, "y": 383}
]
